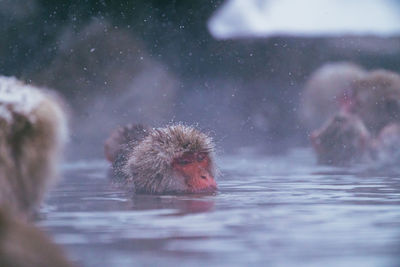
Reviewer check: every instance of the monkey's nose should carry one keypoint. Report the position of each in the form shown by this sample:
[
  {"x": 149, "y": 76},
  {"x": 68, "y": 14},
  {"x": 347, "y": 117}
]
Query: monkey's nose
[{"x": 203, "y": 177}]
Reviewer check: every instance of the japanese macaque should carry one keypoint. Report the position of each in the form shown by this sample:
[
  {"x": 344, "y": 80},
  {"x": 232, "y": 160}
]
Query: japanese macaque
[
  {"x": 364, "y": 104},
  {"x": 327, "y": 91},
  {"x": 343, "y": 140},
  {"x": 24, "y": 245},
  {"x": 176, "y": 159},
  {"x": 32, "y": 133},
  {"x": 376, "y": 99}
]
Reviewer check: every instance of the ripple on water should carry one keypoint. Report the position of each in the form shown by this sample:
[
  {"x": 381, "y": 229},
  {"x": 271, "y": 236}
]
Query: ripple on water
[{"x": 282, "y": 210}]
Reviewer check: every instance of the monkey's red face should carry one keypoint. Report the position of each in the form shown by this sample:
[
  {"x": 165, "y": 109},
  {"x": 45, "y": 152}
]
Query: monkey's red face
[{"x": 196, "y": 169}]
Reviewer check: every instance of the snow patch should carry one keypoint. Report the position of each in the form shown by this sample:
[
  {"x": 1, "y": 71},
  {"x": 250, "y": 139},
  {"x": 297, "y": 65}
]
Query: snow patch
[
  {"x": 17, "y": 97},
  {"x": 264, "y": 18}
]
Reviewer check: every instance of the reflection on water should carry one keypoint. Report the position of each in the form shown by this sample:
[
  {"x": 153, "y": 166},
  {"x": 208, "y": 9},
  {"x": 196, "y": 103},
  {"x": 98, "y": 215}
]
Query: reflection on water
[{"x": 268, "y": 211}]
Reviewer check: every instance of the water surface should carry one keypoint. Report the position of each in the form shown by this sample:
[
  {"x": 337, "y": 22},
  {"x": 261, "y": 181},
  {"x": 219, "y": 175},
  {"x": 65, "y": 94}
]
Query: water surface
[{"x": 269, "y": 211}]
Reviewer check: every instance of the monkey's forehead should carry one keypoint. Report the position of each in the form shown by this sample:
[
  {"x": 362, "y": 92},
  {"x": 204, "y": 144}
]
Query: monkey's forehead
[{"x": 180, "y": 147}]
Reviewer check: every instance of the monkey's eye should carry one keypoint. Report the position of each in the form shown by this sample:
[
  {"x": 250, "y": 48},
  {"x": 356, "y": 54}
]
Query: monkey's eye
[
  {"x": 201, "y": 156},
  {"x": 183, "y": 161}
]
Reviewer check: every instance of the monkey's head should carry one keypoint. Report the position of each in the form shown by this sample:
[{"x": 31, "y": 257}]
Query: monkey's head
[
  {"x": 377, "y": 99},
  {"x": 343, "y": 140},
  {"x": 175, "y": 159}
]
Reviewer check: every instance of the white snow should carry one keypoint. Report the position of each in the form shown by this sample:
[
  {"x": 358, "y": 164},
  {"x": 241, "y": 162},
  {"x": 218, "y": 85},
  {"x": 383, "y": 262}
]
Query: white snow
[
  {"x": 17, "y": 97},
  {"x": 264, "y": 18}
]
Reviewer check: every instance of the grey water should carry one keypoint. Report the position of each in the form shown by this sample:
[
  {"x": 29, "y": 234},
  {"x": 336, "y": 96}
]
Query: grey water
[{"x": 281, "y": 210}]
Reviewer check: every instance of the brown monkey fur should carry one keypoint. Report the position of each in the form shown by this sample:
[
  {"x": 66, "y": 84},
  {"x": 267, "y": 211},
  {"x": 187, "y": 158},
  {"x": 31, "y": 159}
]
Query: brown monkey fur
[
  {"x": 342, "y": 140},
  {"x": 377, "y": 99},
  {"x": 326, "y": 90},
  {"x": 24, "y": 245},
  {"x": 148, "y": 158},
  {"x": 346, "y": 90},
  {"x": 32, "y": 133}
]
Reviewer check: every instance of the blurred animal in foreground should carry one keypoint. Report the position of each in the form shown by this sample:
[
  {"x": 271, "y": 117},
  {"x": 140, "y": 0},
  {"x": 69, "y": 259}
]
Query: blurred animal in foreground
[
  {"x": 172, "y": 160},
  {"x": 365, "y": 105},
  {"x": 32, "y": 132},
  {"x": 23, "y": 245}
]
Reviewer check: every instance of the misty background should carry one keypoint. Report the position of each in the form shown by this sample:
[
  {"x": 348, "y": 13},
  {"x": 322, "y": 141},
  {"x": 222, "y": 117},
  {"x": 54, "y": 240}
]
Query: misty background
[{"x": 200, "y": 62}]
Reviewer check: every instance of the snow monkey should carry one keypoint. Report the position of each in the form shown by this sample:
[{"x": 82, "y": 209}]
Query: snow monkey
[
  {"x": 176, "y": 159},
  {"x": 32, "y": 134},
  {"x": 327, "y": 91},
  {"x": 343, "y": 140},
  {"x": 362, "y": 103},
  {"x": 376, "y": 99}
]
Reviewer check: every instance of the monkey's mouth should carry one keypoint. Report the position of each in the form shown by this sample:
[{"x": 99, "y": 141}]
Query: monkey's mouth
[
  {"x": 202, "y": 184},
  {"x": 204, "y": 190}
]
